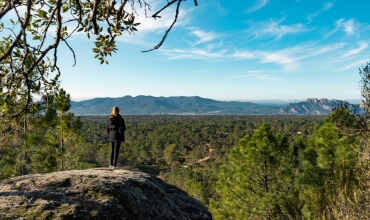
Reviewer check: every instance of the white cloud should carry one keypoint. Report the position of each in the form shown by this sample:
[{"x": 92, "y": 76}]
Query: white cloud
[
  {"x": 167, "y": 17},
  {"x": 273, "y": 28},
  {"x": 357, "y": 64},
  {"x": 203, "y": 36},
  {"x": 325, "y": 7},
  {"x": 222, "y": 11},
  {"x": 258, "y": 5},
  {"x": 259, "y": 76},
  {"x": 194, "y": 53},
  {"x": 244, "y": 55},
  {"x": 150, "y": 30},
  {"x": 13, "y": 15},
  {"x": 289, "y": 59},
  {"x": 362, "y": 46},
  {"x": 348, "y": 26},
  {"x": 278, "y": 57}
]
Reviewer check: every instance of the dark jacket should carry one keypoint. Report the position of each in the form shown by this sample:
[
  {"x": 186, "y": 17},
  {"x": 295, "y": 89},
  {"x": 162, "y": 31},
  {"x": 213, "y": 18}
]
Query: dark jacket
[{"x": 116, "y": 128}]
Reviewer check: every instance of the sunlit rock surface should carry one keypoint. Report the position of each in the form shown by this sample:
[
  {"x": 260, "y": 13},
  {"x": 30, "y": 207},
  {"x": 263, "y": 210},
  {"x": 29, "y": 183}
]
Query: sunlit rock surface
[{"x": 96, "y": 194}]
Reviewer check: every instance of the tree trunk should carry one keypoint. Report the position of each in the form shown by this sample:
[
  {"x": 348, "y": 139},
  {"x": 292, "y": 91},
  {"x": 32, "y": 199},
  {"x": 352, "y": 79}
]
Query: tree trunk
[
  {"x": 61, "y": 143},
  {"x": 25, "y": 150}
]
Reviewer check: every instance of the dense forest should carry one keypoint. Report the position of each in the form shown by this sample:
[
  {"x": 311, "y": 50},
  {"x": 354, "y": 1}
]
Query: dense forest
[
  {"x": 265, "y": 167},
  {"x": 240, "y": 167}
]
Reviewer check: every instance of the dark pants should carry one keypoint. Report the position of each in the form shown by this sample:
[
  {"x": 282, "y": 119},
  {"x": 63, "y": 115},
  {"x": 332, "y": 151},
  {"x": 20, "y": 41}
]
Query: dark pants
[{"x": 114, "y": 153}]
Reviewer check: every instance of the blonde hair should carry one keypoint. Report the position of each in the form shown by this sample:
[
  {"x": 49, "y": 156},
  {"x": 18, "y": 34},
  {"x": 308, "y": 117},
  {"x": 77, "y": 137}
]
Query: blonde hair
[{"x": 115, "y": 111}]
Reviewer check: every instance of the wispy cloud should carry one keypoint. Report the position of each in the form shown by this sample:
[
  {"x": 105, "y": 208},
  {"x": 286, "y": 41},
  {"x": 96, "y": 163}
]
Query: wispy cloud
[
  {"x": 278, "y": 57},
  {"x": 194, "y": 53},
  {"x": 357, "y": 64},
  {"x": 222, "y": 11},
  {"x": 167, "y": 18},
  {"x": 203, "y": 36},
  {"x": 348, "y": 26},
  {"x": 258, "y": 5},
  {"x": 361, "y": 47},
  {"x": 272, "y": 28},
  {"x": 325, "y": 7},
  {"x": 258, "y": 76},
  {"x": 289, "y": 59}
]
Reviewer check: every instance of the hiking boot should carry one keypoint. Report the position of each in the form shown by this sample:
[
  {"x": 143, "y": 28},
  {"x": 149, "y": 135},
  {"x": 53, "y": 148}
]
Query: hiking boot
[
  {"x": 111, "y": 167},
  {"x": 117, "y": 168}
]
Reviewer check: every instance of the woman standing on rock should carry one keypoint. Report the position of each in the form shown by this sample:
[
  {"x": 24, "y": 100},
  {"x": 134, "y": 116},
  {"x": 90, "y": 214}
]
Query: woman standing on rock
[{"x": 116, "y": 131}]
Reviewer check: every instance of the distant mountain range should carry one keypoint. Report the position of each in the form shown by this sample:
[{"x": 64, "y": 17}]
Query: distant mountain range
[{"x": 194, "y": 105}]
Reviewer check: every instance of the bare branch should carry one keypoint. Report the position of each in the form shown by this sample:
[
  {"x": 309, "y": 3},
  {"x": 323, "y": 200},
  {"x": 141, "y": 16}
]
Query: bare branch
[
  {"x": 169, "y": 29},
  {"x": 73, "y": 52},
  {"x": 155, "y": 15}
]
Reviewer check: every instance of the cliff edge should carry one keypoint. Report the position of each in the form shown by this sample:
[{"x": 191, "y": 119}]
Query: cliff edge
[{"x": 96, "y": 194}]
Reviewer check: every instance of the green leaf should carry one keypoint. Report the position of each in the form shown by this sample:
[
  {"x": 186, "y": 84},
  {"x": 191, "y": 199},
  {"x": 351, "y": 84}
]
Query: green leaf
[
  {"x": 42, "y": 13},
  {"x": 65, "y": 8},
  {"x": 36, "y": 38},
  {"x": 101, "y": 62}
]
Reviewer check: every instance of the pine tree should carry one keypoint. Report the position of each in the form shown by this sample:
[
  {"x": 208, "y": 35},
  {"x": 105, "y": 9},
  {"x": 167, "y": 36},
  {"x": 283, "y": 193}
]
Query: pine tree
[
  {"x": 62, "y": 104},
  {"x": 257, "y": 179},
  {"x": 327, "y": 168}
]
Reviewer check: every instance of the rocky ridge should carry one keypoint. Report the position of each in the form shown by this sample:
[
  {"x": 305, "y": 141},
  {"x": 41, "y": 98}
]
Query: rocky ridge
[
  {"x": 96, "y": 194},
  {"x": 194, "y": 105},
  {"x": 312, "y": 106}
]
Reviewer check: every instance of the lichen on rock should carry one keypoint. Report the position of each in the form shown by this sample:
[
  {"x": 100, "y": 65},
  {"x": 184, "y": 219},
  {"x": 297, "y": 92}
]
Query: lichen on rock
[{"x": 96, "y": 194}]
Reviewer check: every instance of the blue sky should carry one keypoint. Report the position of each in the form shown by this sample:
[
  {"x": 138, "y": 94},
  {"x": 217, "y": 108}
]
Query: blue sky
[{"x": 232, "y": 50}]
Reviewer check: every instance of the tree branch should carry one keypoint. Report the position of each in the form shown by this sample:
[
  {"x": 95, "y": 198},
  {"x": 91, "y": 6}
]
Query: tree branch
[
  {"x": 119, "y": 10},
  {"x": 47, "y": 27},
  {"x": 155, "y": 15},
  {"x": 169, "y": 29},
  {"x": 73, "y": 52},
  {"x": 21, "y": 32},
  {"x": 8, "y": 7},
  {"x": 15, "y": 42},
  {"x": 93, "y": 16}
]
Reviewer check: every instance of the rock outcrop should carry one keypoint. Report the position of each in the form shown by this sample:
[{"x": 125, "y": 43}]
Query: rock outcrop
[
  {"x": 96, "y": 194},
  {"x": 311, "y": 107}
]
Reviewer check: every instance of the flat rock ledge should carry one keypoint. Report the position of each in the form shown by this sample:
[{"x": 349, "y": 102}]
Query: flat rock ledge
[{"x": 96, "y": 194}]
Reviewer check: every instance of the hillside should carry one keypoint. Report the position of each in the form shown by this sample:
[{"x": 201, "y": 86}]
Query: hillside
[
  {"x": 96, "y": 194},
  {"x": 194, "y": 105},
  {"x": 181, "y": 105},
  {"x": 311, "y": 107}
]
